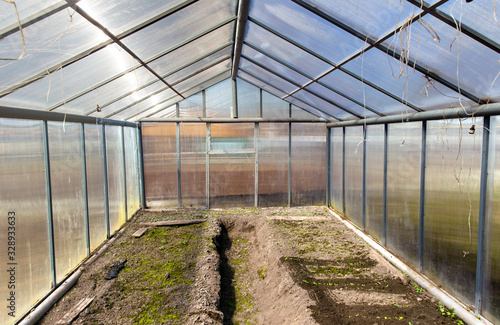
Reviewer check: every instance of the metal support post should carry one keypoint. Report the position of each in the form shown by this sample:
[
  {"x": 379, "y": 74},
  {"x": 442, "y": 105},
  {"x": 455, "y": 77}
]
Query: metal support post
[
  {"x": 50, "y": 217},
  {"x": 256, "y": 165},
  {"x": 207, "y": 175},
  {"x": 343, "y": 172},
  {"x": 365, "y": 130},
  {"x": 204, "y": 102},
  {"x": 289, "y": 162},
  {"x": 422, "y": 198},
  {"x": 105, "y": 181},
  {"x": 261, "y": 105},
  {"x": 483, "y": 199},
  {"x": 328, "y": 166},
  {"x": 124, "y": 171},
  {"x": 140, "y": 164},
  {"x": 234, "y": 110},
  {"x": 85, "y": 190},
  {"x": 386, "y": 151}
]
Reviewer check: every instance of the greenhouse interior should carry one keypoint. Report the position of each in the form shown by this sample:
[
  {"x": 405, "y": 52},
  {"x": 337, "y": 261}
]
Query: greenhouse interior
[{"x": 383, "y": 110}]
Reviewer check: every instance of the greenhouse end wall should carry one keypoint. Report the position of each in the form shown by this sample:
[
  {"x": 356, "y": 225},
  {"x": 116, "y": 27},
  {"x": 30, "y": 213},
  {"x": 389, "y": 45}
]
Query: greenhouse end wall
[
  {"x": 418, "y": 194},
  {"x": 53, "y": 196},
  {"x": 216, "y": 165}
]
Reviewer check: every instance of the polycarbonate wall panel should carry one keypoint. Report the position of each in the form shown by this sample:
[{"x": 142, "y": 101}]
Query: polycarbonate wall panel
[
  {"x": 232, "y": 165},
  {"x": 491, "y": 299},
  {"x": 248, "y": 99},
  {"x": 68, "y": 210},
  {"x": 403, "y": 189},
  {"x": 298, "y": 112},
  {"x": 273, "y": 164},
  {"x": 219, "y": 99},
  {"x": 132, "y": 170},
  {"x": 95, "y": 184},
  {"x": 308, "y": 164},
  {"x": 160, "y": 164},
  {"x": 336, "y": 169},
  {"x": 354, "y": 174},
  {"x": 452, "y": 205},
  {"x": 192, "y": 106},
  {"x": 116, "y": 178},
  {"x": 274, "y": 107},
  {"x": 375, "y": 181},
  {"x": 23, "y": 192},
  {"x": 193, "y": 165}
]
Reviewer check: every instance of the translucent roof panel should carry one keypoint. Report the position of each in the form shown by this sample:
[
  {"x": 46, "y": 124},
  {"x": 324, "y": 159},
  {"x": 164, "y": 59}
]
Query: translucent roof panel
[
  {"x": 373, "y": 18},
  {"x": 298, "y": 112},
  {"x": 467, "y": 59},
  {"x": 272, "y": 65},
  {"x": 75, "y": 78},
  {"x": 117, "y": 88},
  {"x": 477, "y": 15},
  {"x": 339, "y": 100},
  {"x": 121, "y": 15},
  {"x": 270, "y": 77},
  {"x": 261, "y": 84},
  {"x": 274, "y": 107},
  {"x": 248, "y": 99},
  {"x": 269, "y": 43},
  {"x": 25, "y": 9},
  {"x": 48, "y": 43},
  {"x": 205, "y": 82},
  {"x": 179, "y": 27},
  {"x": 365, "y": 94},
  {"x": 189, "y": 53},
  {"x": 144, "y": 105},
  {"x": 388, "y": 73},
  {"x": 156, "y": 109},
  {"x": 306, "y": 28},
  {"x": 169, "y": 112},
  {"x": 129, "y": 99},
  {"x": 323, "y": 105},
  {"x": 194, "y": 81},
  {"x": 303, "y": 105}
]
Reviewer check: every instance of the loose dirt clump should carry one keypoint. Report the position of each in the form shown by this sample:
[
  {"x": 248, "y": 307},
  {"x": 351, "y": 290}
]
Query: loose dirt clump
[{"x": 247, "y": 266}]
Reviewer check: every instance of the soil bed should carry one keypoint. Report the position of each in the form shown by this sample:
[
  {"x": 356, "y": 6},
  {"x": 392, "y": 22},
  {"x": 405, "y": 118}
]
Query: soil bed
[{"x": 247, "y": 266}]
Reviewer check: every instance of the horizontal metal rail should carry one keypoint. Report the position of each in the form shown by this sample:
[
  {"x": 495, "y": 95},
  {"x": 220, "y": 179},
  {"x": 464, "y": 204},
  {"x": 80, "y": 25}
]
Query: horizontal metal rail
[{"x": 234, "y": 120}]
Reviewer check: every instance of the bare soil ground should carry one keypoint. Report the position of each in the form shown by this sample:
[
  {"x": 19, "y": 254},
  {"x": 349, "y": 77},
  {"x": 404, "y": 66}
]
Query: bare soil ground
[{"x": 248, "y": 266}]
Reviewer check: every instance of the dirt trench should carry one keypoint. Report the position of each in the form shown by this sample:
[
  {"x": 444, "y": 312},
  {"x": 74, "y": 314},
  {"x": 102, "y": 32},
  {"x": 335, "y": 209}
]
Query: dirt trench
[{"x": 247, "y": 266}]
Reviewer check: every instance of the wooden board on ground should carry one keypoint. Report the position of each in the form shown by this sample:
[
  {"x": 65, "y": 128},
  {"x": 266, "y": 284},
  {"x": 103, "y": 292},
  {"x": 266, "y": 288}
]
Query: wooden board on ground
[
  {"x": 297, "y": 218},
  {"x": 73, "y": 313},
  {"x": 139, "y": 233},
  {"x": 173, "y": 223}
]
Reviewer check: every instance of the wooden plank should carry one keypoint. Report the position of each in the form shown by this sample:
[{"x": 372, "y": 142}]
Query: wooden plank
[
  {"x": 174, "y": 223},
  {"x": 73, "y": 313},
  {"x": 139, "y": 233}
]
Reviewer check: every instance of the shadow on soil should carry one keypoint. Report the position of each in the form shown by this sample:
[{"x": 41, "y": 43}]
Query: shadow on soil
[{"x": 228, "y": 293}]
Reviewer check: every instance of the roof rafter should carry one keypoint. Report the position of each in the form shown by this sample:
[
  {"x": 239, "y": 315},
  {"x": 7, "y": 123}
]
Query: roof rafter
[{"x": 243, "y": 8}]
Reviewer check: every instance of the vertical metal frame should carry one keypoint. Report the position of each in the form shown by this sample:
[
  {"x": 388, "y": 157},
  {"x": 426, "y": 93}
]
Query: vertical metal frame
[
  {"x": 207, "y": 174},
  {"x": 422, "y": 198},
  {"x": 386, "y": 151},
  {"x": 256, "y": 144},
  {"x": 290, "y": 111},
  {"x": 105, "y": 179},
  {"x": 328, "y": 165},
  {"x": 365, "y": 130},
  {"x": 178, "y": 109},
  {"x": 204, "y": 102},
  {"x": 124, "y": 170},
  {"x": 48, "y": 190},
  {"x": 343, "y": 171},
  {"x": 178, "y": 144},
  {"x": 234, "y": 111},
  {"x": 261, "y": 104},
  {"x": 289, "y": 161},
  {"x": 483, "y": 199},
  {"x": 85, "y": 189},
  {"x": 140, "y": 165}
]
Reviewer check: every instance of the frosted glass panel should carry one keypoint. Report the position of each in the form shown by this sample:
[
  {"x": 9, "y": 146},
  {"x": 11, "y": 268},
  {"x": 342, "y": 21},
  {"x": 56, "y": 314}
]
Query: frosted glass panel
[
  {"x": 274, "y": 107},
  {"x": 375, "y": 181},
  {"x": 308, "y": 164},
  {"x": 116, "y": 178},
  {"x": 219, "y": 99},
  {"x": 403, "y": 189},
  {"x": 22, "y": 161},
  {"x": 160, "y": 164},
  {"x": 354, "y": 174},
  {"x": 131, "y": 154},
  {"x": 491, "y": 300},
  {"x": 452, "y": 205},
  {"x": 95, "y": 184},
  {"x": 232, "y": 165},
  {"x": 336, "y": 181},
  {"x": 273, "y": 164},
  {"x": 193, "y": 165},
  {"x": 66, "y": 172},
  {"x": 248, "y": 99}
]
